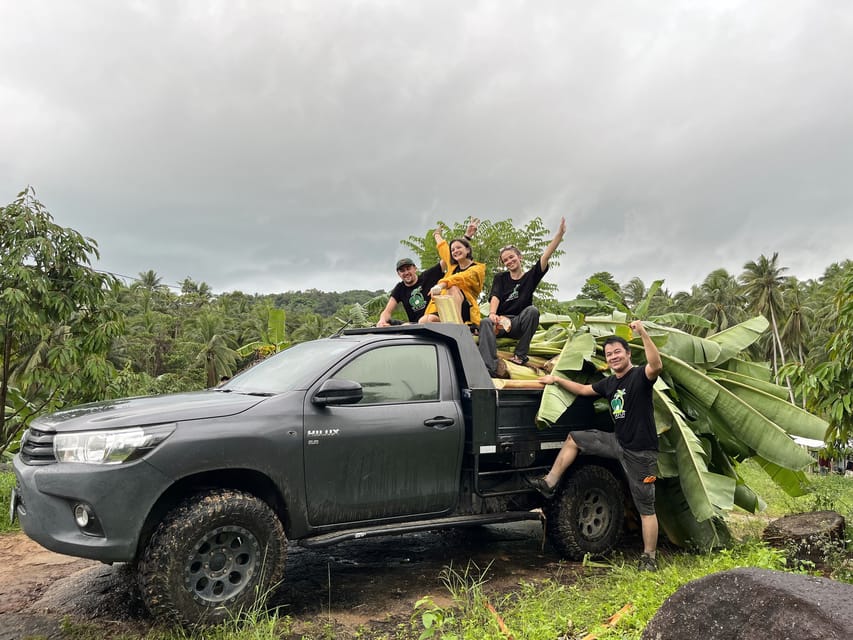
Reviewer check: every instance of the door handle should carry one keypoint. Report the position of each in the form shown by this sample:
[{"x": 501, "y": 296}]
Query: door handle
[{"x": 439, "y": 422}]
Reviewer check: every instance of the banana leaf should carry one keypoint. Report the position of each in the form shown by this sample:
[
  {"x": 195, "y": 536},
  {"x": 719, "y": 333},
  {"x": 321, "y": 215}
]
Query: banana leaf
[
  {"x": 789, "y": 417},
  {"x": 684, "y": 346},
  {"x": 761, "y": 384},
  {"x": 575, "y": 351},
  {"x": 757, "y": 370},
  {"x": 667, "y": 463},
  {"x": 555, "y": 400},
  {"x": 794, "y": 483},
  {"x": 688, "y": 319},
  {"x": 707, "y": 493},
  {"x": 677, "y": 521},
  {"x": 548, "y": 319},
  {"x": 745, "y": 498},
  {"x": 643, "y": 308},
  {"x": 747, "y": 425},
  {"x": 737, "y": 338}
]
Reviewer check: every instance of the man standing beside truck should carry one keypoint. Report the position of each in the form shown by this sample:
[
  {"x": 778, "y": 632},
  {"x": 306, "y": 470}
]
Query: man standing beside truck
[
  {"x": 413, "y": 289},
  {"x": 634, "y": 442},
  {"x": 511, "y": 298}
]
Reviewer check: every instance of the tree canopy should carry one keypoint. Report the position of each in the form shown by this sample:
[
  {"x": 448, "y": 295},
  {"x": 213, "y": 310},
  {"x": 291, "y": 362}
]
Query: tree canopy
[{"x": 57, "y": 323}]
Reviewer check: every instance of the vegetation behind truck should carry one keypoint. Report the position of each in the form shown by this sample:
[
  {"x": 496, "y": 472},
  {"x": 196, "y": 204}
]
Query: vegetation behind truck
[{"x": 372, "y": 432}]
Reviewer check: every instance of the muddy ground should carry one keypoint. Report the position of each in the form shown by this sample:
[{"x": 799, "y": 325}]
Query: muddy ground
[{"x": 367, "y": 586}]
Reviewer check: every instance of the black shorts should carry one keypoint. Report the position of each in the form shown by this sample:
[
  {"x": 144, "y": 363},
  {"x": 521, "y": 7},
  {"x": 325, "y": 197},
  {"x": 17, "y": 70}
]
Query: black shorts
[{"x": 640, "y": 467}]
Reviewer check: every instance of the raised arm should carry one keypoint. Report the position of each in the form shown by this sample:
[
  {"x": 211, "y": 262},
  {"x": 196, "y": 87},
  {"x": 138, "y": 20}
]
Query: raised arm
[
  {"x": 552, "y": 246},
  {"x": 473, "y": 225},
  {"x": 443, "y": 250},
  {"x": 654, "y": 364}
]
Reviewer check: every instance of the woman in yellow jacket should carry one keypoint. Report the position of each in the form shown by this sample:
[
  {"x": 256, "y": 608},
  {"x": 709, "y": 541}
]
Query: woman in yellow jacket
[{"x": 463, "y": 281}]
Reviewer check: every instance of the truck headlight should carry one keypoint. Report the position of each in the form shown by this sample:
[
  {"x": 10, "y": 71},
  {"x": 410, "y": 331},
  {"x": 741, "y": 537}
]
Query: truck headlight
[{"x": 109, "y": 447}]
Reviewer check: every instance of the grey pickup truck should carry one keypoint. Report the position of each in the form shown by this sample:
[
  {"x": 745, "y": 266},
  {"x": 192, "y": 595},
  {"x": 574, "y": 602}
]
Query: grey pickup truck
[{"x": 371, "y": 432}]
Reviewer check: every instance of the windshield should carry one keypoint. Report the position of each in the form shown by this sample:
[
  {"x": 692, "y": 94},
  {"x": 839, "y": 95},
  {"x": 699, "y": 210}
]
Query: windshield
[{"x": 290, "y": 369}]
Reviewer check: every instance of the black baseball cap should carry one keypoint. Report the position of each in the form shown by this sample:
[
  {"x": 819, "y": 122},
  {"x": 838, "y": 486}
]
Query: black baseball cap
[{"x": 404, "y": 262}]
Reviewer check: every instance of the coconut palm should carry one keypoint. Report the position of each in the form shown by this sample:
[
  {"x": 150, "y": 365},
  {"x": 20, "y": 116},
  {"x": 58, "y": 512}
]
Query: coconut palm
[
  {"x": 218, "y": 358},
  {"x": 634, "y": 292},
  {"x": 796, "y": 331},
  {"x": 313, "y": 326},
  {"x": 762, "y": 282},
  {"x": 721, "y": 300}
]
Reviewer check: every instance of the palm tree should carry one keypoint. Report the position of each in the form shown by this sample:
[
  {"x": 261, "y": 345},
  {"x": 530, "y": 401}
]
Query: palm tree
[
  {"x": 218, "y": 358},
  {"x": 762, "y": 282},
  {"x": 634, "y": 292},
  {"x": 150, "y": 281},
  {"x": 721, "y": 300},
  {"x": 313, "y": 326},
  {"x": 797, "y": 329}
]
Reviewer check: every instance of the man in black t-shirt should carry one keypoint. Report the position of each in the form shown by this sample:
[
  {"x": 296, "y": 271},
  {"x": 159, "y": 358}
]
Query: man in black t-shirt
[
  {"x": 634, "y": 442},
  {"x": 511, "y": 301},
  {"x": 413, "y": 289}
]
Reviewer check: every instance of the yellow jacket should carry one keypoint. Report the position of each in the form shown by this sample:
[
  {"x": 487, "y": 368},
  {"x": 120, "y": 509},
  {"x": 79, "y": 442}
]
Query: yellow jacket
[{"x": 470, "y": 281}]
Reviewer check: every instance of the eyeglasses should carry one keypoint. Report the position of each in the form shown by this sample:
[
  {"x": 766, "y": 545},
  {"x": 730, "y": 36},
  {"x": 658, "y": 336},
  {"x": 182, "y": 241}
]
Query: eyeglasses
[{"x": 509, "y": 247}]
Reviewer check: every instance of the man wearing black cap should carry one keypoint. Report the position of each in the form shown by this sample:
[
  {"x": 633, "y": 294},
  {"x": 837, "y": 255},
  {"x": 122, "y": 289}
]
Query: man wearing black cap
[{"x": 413, "y": 289}]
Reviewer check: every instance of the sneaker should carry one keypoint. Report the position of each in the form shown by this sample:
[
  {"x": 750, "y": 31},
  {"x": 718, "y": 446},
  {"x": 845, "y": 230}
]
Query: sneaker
[
  {"x": 541, "y": 486},
  {"x": 647, "y": 563}
]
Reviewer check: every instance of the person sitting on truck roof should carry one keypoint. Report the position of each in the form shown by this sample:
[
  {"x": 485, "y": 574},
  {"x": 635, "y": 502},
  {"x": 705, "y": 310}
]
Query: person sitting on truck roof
[
  {"x": 635, "y": 441},
  {"x": 511, "y": 298},
  {"x": 413, "y": 289},
  {"x": 463, "y": 281}
]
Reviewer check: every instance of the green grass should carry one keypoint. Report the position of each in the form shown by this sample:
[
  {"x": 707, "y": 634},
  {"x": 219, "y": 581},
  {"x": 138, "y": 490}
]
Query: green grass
[
  {"x": 832, "y": 492},
  {"x": 571, "y": 604},
  {"x": 7, "y": 481}
]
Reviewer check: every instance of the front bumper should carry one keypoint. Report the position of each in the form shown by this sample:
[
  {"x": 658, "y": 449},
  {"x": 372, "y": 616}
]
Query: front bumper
[{"x": 121, "y": 496}]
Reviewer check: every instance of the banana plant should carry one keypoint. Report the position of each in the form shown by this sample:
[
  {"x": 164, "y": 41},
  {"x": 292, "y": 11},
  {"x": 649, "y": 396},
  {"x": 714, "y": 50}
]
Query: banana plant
[{"x": 713, "y": 410}]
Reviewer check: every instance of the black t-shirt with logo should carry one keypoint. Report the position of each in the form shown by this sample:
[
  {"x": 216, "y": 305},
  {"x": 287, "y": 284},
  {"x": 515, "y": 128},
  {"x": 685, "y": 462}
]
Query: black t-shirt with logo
[
  {"x": 414, "y": 299},
  {"x": 631, "y": 408},
  {"x": 516, "y": 295}
]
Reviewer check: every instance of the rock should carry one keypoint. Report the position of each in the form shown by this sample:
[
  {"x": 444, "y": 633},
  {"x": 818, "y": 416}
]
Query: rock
[
  {"x": 755, "y": 603},
  {"x": 807, "y": 536}
]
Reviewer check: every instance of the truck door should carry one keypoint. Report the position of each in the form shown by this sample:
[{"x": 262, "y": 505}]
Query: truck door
[{"x": 398, "y": 451}]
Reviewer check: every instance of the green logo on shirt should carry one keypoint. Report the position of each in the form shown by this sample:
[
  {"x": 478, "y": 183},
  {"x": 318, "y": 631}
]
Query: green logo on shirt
[
  {"x": 416, "y": 300},
  {"x": 617, "y": 404}
]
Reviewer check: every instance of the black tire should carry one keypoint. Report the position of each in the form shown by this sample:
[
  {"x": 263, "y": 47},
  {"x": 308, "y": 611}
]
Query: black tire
[
  {"x": 587, "y": 513},
  {"x": 214, "y": 555}
]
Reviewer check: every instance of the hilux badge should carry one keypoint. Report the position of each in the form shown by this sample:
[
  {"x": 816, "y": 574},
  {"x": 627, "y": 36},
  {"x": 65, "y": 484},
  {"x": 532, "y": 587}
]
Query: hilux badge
[{"x": 314, "y": 433}]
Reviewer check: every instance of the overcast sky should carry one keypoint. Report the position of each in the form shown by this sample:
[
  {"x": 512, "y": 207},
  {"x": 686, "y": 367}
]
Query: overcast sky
[{"x": 268, "y": 146}]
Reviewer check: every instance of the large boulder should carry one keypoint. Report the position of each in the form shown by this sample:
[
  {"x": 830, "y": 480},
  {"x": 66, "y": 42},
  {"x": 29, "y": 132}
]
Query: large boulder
[{"x": 755, "y": 603}]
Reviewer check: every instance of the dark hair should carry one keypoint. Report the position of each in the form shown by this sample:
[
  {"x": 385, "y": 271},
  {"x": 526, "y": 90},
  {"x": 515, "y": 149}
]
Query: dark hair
[
  {"x": 464, "y": 242},
  {"x": 616, "y": 340},
  {"x": 509, "y": 247}
]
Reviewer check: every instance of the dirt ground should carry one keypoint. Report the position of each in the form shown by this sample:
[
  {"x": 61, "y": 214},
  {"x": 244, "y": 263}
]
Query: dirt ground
[{"x": 367, "y": 586}]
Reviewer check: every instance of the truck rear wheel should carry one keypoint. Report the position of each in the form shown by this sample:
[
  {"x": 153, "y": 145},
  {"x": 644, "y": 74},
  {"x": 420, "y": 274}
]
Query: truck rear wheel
[
  {"x": 587, "y": 513},
  {"x": 216, "y": 554}
]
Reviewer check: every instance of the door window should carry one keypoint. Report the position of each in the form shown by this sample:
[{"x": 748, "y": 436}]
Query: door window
[{"x": 402, "y": 373}]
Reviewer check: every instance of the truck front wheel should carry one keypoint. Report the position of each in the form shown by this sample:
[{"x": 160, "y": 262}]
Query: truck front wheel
[
  {"x": 214, "y": 555},
  {"x": 587, "y": 513}
]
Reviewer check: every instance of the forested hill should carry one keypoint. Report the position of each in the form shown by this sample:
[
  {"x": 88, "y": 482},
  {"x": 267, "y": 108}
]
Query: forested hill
[{"x": 325, "y": 303}]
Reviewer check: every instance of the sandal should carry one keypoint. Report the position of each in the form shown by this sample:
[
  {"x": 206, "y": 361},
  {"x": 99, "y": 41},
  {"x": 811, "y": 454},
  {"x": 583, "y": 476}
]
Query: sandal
[{"x": 522, "y": 360}]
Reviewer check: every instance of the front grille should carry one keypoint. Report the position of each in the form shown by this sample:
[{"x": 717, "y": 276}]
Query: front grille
[{"x": 37, "y": 447}]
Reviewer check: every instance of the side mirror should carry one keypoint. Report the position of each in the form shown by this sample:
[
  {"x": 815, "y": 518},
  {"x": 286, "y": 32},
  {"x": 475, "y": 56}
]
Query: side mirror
[{"x": 334, "y": 391}]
